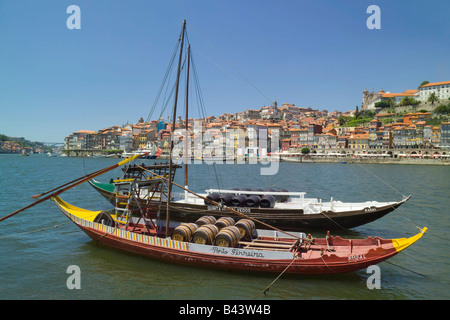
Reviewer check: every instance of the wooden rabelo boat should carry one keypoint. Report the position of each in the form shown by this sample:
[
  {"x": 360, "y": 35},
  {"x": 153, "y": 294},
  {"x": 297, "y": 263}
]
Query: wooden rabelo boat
[
  {"x": 290, "y": 211},
  {"x": 230, "y": 244}
]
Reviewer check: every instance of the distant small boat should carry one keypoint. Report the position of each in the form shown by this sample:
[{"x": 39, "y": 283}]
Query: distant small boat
[{"x": 150, "y": 149}]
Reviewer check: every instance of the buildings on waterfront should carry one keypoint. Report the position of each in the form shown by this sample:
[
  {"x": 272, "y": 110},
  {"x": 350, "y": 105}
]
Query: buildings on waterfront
[
  {"x": 441, "y": 90},
  {"x": 297, "y": 127}
]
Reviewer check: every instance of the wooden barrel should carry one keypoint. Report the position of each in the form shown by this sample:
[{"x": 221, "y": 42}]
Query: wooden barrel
[
  {"x": 226, "y": 199},
  {"x": 205, "y": 234},
  {"x": 252, "y": 201},
  {"x": 268, "y": 201},
  {"x": 205, "y": 220},
  {"x": 246, "y": 228},
  {"x": 212, "y": 196},
  {"x": 184, "y": 232},
  {"x": 228, "y": 237},
  {"x": 239, "y": 200},
  {"x": 224, "y": 222}
]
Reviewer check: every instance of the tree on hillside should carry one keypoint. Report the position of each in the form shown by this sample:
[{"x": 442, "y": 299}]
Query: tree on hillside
[
  {"x": 432, "y": 98},
  {"x": 409, "y": 101},
  {"x": 424, "y": 83},
  {"x": 443, "y": 109},
  {"x": 382, "y": 105},
  {"x": 343, "y": 120},
  {"x": 391, "y": 102}
]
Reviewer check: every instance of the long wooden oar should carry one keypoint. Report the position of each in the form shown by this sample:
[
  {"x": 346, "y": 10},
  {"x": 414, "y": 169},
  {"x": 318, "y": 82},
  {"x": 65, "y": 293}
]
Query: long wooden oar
[{"x": 77, "y": 182}]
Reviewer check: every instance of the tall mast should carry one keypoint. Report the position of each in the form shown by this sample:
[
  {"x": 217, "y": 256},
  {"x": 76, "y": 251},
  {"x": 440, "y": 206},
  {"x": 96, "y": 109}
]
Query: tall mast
[
  {"x": 187, "y": 128},
  {"x": 169, "y": 191}
]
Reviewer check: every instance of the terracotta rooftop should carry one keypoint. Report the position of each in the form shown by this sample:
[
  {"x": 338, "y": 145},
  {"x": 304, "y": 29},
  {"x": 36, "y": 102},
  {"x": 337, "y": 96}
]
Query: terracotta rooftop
[{"x": 435, "y": 84}]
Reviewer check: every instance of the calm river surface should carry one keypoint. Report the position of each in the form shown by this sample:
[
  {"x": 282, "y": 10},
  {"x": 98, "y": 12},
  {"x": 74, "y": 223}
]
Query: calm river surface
[{"x": 33, "y": 265}]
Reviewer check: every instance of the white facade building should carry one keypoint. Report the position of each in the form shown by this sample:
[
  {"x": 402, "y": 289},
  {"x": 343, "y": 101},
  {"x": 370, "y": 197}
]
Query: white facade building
[{"x": 441, "y": 89}]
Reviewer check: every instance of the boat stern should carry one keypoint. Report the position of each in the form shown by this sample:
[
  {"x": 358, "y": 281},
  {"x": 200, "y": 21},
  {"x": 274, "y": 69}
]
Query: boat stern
[{"x": 74, "y": 212}]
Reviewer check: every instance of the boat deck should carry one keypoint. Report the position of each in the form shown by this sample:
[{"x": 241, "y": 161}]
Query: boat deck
[{"x": 309, "y": 205}]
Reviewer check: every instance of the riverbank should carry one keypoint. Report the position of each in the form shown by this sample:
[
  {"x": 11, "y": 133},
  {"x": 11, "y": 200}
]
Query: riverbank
[
  {"x": 320, "y": 159},
  {"x": 372, "y": 161},
  {"x": 349, "y": 160}
]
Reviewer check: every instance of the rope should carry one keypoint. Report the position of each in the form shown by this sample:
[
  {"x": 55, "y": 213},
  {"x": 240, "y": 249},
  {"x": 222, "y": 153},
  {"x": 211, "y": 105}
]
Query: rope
[
  {"x": 390, "y": 186},
  {"x": 33, "y": 231},
  {"x": 335, "y": 222},
  {"x": 229, "y": 64},
  {"x": 382, "y": 180},
  {"x": 422, "y": 275},
  {"x": 285, "y": 269},
  {"x": 321, "y": 257}
]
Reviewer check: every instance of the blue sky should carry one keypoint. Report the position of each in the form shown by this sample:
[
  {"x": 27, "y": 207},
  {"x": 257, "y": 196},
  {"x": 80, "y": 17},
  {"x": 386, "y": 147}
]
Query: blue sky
[{"x": 54, "y": 81}]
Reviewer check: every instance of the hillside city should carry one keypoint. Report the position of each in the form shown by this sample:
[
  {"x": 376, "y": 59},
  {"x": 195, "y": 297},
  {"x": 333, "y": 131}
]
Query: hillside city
[{"x": 415, "y": 122}]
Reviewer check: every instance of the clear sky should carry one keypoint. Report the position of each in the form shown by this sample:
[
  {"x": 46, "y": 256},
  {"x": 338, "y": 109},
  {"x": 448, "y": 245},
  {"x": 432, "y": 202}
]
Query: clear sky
[{"x": 54, "y": 81}]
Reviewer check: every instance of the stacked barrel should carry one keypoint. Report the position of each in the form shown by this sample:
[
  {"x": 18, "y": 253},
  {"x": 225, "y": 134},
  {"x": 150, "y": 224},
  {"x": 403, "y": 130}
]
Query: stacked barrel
[
  {"x": 223, "y": 232},
  {"x": 241, "y": 199}
]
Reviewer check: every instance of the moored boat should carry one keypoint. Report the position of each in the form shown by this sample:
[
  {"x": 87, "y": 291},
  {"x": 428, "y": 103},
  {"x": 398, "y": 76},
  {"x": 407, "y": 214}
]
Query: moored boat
[
  {"x": 290, "y": 211},
  {"x": 268, "y": 251}
]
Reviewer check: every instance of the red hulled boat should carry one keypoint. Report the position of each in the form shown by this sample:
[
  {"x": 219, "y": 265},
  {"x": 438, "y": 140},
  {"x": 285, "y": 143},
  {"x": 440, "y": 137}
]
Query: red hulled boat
[{"x": 265, "y": 250}]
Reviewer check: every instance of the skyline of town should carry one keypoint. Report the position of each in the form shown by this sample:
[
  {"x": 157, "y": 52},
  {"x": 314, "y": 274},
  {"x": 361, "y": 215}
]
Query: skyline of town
[
  {"x": 293, "y": 120},
  {"x": 407, "y": 123}
]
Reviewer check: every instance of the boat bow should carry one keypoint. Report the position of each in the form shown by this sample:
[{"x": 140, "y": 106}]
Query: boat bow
[{"x": 403, "y": 243}]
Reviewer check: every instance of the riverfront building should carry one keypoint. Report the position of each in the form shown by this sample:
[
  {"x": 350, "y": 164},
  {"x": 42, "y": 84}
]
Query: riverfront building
[{"x": 294, "y": 128}]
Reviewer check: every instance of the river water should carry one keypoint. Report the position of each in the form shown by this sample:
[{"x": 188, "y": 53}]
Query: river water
[{"x": 38, "y": 245}]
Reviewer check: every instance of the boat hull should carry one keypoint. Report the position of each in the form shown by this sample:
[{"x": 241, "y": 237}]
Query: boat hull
[
  {"x": 330, "y": 255},
  {"x": 286, "y": 219},
  {"x": 327, "y": 264}
]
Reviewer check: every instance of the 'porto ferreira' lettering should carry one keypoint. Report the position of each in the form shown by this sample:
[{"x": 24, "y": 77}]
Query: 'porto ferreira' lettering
[{"x": 237, "y": 252}]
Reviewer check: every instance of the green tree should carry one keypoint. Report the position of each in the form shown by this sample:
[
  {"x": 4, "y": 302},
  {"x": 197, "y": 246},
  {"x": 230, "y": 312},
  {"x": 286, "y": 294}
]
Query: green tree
[
  {"x": 432, "y": 98},
  {"x": 305, "y": 151},
  {"x": 424, "y": 83},
  {"x": 391, "y": 102},
  {"x": 342, "y": 120},
  {"x": 409, "y": 101},
  {"x": 382, "y": 105},
  {"x": 356, "y": 112},
  {"x": 443, "y": 109},
  {"x": 368, "y": 113}
]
